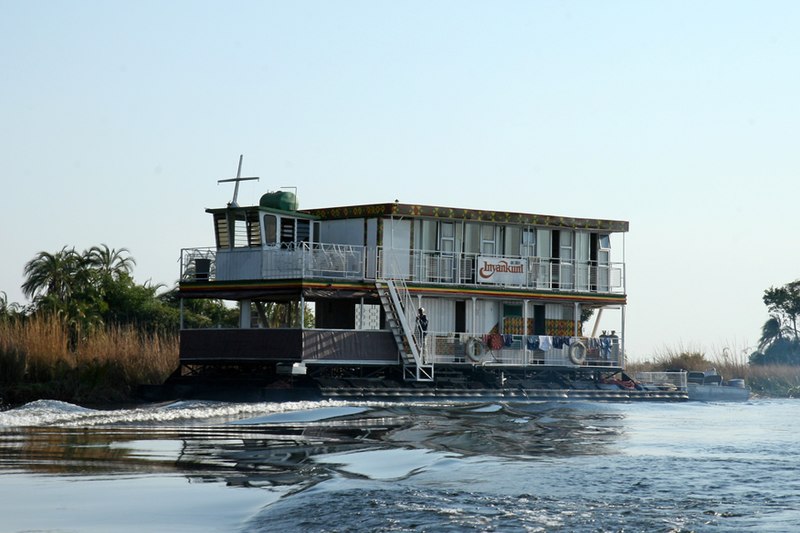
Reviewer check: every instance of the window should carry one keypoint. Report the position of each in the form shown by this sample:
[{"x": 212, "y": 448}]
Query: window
[
  {"x": 488, "y": 242},
  {"x": 565, "y": 245},
  {"x": 513, "y": 240},
  {"x": 429, "y": 235},
  {"x": 315, "y": 236},
  {"x": 237, "y": 229},
  {"x": 221, "y": 230},
  {"x": 287, "y": 230},
  {"x": 528, "y": 246},
  {"x": 303, "y": 230},
  {"x": 472, "y": 243},
  {"x": 544, "y": 243},
  {"x": 270, "y": 229},
  {"x": 448, "y": 237}
]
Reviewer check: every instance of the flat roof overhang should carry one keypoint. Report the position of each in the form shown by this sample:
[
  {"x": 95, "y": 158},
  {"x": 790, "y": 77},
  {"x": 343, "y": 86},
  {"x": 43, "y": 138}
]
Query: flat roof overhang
[{"x": 472, "y": 215}]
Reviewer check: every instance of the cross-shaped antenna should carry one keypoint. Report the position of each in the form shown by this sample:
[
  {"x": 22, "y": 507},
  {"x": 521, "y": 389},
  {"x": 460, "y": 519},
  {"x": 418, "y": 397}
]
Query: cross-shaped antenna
[{"x": 237, "y": 179}]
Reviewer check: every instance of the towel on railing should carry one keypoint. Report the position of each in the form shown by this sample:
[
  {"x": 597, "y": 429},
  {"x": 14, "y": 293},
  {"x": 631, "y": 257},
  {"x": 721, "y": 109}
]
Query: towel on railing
[{"x": 545, "y": 342}]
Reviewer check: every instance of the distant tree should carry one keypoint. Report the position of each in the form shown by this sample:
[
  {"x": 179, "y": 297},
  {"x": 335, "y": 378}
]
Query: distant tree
[
  {"x": 61, "y": 275},
  {"x": 772, "y": 332},
  {"x": 126, "y": 302},
  {"x": 201, "y": 313},
  {"x": 780, "y": 339},
  {"x": 7, "y": 310},
  {"x": 784, "y": 303},
  {"x": 109, "y": 261},
  {"x": 283, "y": 315},
  {"x": 94, "y": 288}
]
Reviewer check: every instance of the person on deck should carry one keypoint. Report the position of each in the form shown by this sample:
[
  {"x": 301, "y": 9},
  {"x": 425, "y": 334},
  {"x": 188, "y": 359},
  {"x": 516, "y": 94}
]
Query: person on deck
[{"x": 422, "y": 323}]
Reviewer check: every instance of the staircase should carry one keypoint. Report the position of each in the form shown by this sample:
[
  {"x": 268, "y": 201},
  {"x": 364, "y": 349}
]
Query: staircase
[{"x": 410, "y": 346}]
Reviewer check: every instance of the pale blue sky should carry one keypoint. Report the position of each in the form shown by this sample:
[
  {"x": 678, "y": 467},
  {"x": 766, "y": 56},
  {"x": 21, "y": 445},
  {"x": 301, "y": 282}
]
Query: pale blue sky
[{"x": 681, "y": 117}]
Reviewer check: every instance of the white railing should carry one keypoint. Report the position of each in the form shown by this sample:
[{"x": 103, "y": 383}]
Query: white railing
[
  {"x": 301, "y": 260},
  {"x": 322, "y": 260},
  {"x": 662, "y": 380},
  {"x": 517, "y": 351},
  {"x": 531, "y": 272}
]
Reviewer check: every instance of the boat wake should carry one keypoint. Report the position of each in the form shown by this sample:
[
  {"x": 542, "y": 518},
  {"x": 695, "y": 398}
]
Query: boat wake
[{"x": 62, "y": 414}]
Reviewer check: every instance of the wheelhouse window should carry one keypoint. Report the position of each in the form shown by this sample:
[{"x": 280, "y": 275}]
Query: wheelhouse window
[
  {"x": 303, "y": 230},
  {"x": 287, "y": 230},
  {"x": 237, "y": 229},
  {"x": 270, "y": 229}
]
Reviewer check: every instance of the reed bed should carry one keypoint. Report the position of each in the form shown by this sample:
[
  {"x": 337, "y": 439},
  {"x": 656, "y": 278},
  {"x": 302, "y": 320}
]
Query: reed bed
[
  {"x": 731, "y": 362},
  {"x": 41, "y": 358}
]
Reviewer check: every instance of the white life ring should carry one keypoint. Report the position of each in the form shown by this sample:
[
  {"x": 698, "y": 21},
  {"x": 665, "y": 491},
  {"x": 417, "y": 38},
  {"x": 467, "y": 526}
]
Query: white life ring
[
  {"x": 474, "y": 349},
  {"x": 577, "y": 352}
]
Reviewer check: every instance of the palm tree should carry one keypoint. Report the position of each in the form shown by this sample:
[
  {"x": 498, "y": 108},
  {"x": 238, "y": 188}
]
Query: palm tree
[
  {"x": 58, "y": 275},
  {"x": 771, "y": 333},
  {"x": 110, "y": 261}
]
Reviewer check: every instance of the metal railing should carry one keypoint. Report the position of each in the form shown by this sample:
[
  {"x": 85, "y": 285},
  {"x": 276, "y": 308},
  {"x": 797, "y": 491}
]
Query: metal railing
[
  {"x": 295, "y": 260},
  {"x": 662, "y": 380},
  {"x": 454, "y": 348},
  {"x": 545, "y": 273},
  {"x": 342, "y": 261}
]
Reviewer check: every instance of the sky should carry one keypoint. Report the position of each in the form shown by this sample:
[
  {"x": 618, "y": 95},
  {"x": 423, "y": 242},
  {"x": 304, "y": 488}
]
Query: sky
[{"x": 118, "y": 118}]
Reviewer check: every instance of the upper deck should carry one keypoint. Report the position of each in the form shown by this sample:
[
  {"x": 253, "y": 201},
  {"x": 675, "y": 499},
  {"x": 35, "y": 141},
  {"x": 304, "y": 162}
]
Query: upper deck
[
  {"x": 439, "y": 248},
  {"x": 338, "y": 262}
]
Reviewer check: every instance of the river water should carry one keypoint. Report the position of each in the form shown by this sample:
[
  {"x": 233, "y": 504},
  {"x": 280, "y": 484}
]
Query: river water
[{"x": 344, "y": 466}]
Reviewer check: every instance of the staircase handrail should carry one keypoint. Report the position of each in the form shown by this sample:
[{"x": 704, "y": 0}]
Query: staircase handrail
[{"x": 401, "y": 316}]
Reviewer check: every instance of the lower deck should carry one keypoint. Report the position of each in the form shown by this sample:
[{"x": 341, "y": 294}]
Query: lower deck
[{"x": 378, "y": 347}]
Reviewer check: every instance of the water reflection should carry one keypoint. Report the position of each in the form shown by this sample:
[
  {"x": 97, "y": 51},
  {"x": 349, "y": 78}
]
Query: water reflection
[
  {"x": 337, "y": 466},
  {"x": 302, "y": 450}
]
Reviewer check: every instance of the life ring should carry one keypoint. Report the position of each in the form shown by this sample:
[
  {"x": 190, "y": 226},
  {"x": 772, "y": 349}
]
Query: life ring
[
  {"x": 474, "y": 349},
  {"x": 577, "y": 352},
  {"x": 495, "y": 341}
]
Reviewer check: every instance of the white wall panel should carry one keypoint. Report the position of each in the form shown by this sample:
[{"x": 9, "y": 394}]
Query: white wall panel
[
  {"x": 349, "y": 231},
  {"x": 396, "y": 246}
]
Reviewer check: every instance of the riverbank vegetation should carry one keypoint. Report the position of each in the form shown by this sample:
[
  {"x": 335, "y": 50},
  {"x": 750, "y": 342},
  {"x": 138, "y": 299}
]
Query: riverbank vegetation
[
  {"x": 767, "y": 380},
  {"x": 772, "y": 369},
  {"x": 91, "y": 334},
  {"x": 41, "y": 357}
]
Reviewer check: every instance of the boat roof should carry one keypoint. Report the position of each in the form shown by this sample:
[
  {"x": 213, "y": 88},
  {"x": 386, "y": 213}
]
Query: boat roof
[
  {"x": 474, "y": 215},
  {"x": 261, "y": 209}
]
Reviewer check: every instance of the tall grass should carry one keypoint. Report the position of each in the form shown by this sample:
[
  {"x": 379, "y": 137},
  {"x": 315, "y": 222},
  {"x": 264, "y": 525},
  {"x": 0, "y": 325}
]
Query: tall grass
[
  {"x": 38, "y": 360},
  {"x": 731, "y": 362}
]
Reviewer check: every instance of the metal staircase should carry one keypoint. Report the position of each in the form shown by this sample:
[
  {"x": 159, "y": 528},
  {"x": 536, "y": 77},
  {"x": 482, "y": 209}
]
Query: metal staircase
[{"x": 410, "y": 343}]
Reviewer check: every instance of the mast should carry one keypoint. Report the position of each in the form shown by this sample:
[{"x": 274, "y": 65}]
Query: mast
[{"x": 236, "y": 180}]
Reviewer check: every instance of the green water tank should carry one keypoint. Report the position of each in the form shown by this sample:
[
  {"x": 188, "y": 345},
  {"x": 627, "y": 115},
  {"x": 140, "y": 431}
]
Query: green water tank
[{"x": 283, "y": 200}]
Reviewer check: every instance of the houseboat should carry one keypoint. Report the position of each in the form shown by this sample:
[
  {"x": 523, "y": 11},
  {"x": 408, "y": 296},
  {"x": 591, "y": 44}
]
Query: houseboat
[{"x": 329, "y": 302}]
